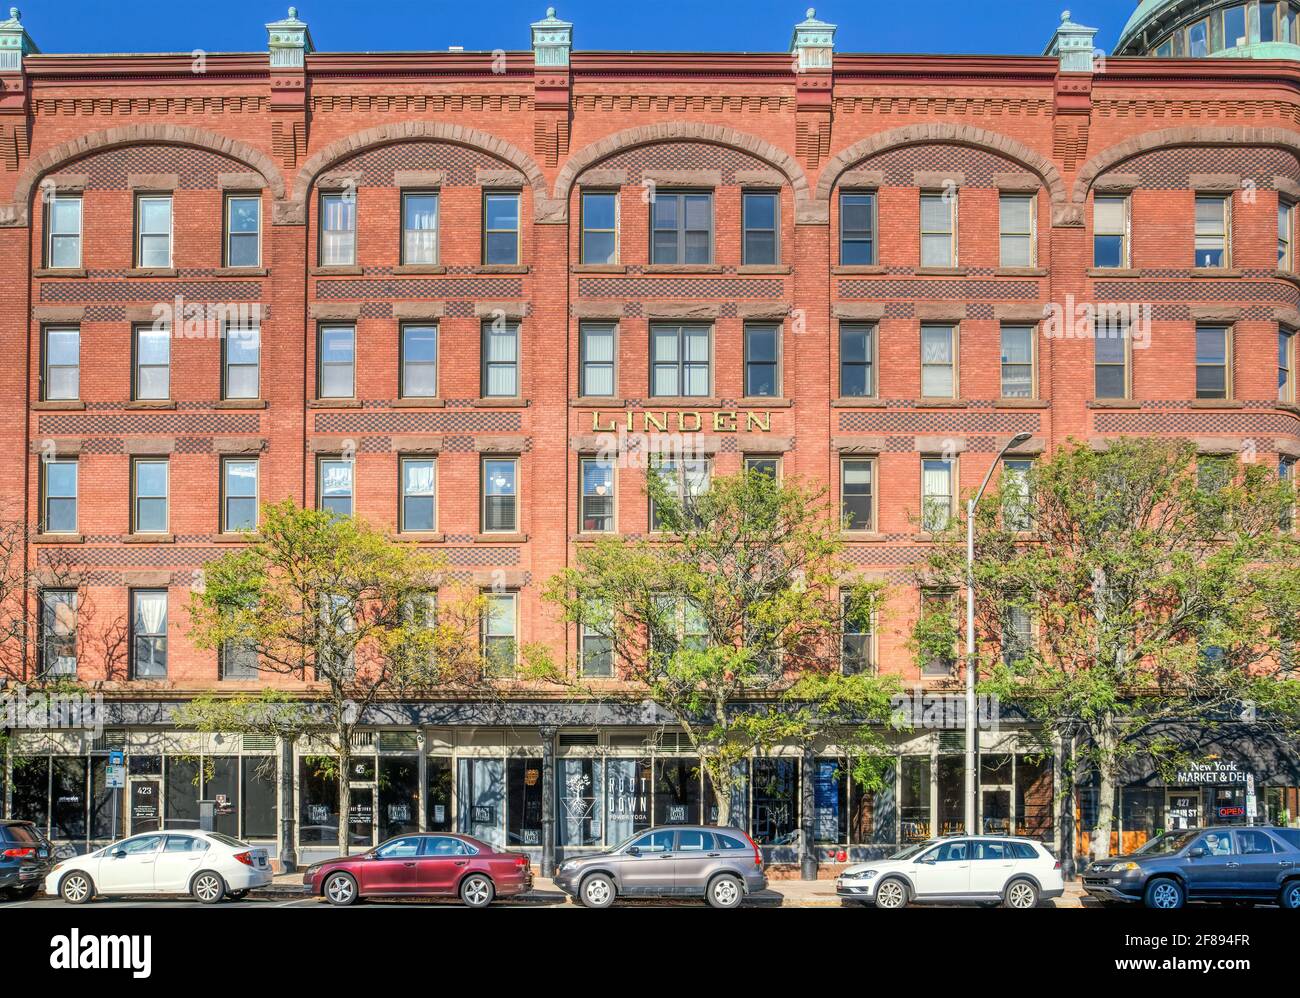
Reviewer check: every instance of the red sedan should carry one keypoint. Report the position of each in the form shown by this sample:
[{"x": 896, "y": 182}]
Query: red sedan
[{"x": 434, "y": 865}]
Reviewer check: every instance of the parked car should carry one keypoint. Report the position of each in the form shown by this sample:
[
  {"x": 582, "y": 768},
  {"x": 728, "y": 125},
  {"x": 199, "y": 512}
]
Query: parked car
[
  {"x": 981, "y": 869},
  {"x": 721, "y": 865},
  {"x": 208, "y": 866},
  {"x": 1227, "y": 864},
  {"x": 25, "y": 859},
  {"x": 433, "y": 865}
]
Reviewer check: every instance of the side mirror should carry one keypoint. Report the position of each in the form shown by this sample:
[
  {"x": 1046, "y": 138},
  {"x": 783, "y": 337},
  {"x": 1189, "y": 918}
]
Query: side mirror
[
  {"x": 634, "y": 850},
  {"x": 1196, "y": 853},
  {"x": 118, "y": 853}
]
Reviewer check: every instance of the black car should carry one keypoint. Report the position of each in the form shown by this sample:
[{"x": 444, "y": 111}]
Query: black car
[
  {"x": 25, "y": 859},
  {"x": 1259, "y": 864}
]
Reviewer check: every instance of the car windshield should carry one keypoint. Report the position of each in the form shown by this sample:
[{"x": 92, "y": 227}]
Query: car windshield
[
  {"x": 913, "y": 849},
  {"x": 1167, "y": 844}
]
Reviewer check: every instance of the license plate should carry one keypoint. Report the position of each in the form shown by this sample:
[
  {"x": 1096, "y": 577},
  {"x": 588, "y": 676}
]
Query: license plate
[{"x": 42, "y": 853}]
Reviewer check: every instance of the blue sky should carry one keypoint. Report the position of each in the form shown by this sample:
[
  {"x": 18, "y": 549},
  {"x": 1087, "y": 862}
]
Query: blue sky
[{"x": 1015, "y": 27}]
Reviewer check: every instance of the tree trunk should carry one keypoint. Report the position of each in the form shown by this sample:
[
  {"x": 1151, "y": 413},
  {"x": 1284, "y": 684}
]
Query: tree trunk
[
  {"x": 1104, "y": 737},
  {"x": 345, "y": 792}
]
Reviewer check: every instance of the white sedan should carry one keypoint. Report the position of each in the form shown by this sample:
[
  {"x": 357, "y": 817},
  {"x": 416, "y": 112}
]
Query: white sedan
[
  {"x": 208, "y": 866},
  {"x": 980, "y": 869}
]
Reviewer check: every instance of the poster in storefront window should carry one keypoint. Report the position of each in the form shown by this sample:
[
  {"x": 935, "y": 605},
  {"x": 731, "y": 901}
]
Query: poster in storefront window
[{"x": 144, "y": 806}]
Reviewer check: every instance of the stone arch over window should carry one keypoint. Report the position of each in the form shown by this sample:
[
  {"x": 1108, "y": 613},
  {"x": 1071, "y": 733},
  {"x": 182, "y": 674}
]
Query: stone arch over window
[
  {"x": 416, "y": 131},
  {"x": 1237, "y": 137},
  {"x": 18, "y": 213},
  {"x": 942, "y": 133},
  {"x": 683, "y": 131}
]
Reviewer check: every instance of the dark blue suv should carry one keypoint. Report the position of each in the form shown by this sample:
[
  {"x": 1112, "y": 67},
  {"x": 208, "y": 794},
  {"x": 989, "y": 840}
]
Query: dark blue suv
[
  {"x": 25, "y": 859},
  {"x": 1259, "y": 864}
]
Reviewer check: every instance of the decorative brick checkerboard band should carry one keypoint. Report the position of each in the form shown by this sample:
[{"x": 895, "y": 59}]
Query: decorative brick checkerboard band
[
  {"x": 938, "y": 422},
  {"x": 458, "y": 163},
  {"x": 876, "y": 554},
  {"x": 952, "y": 290},
  {"x": 671, "y": 287},
  {"x": 417, "y": 422},
  {"x": 150, "y": 422},
  {"x": 682, "y": 156},
  {"x": 422, "y": 287},
  {"x": 1172, "y": 169},
  {"x": 1280, "y": 292},
  {"x": 151, "y": 291},
  {"x": 976, "y": 166},
  {"x": 195, "y": 169},
  {"x": 1220, "y": 423}
]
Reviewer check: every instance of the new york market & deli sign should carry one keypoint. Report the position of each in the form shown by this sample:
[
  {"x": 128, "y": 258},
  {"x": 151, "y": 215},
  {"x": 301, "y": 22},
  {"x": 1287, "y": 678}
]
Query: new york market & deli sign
[{"x": 1218, "y": 773}]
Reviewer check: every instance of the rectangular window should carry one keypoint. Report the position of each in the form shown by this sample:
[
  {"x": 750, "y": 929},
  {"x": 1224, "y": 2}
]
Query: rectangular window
[
  {"x": 680, "y": 361},
  {"x": 152, "y": 350},
  {"x": 686, "y": 479},
  {"x": 1213, "y": 362},
  {"x": 938, "y": 608},
  {"x": 1198, "y": 40},
  {"x": 419, "y": 362},
  {"x": 762, "y": 370},
  {"x": 501, "y": 229},
  {"x": 597, "y": 654},
  {"x": 855, "y": 652},
  {"x": 1110, "y": 240},
  {"x": 763, "y": 465},
  {"x": 336, "y": 365},
  {"x": 1110, "y": 363},
  {"x": 237, "y": 660},
  {"x": 419, "y": 228},
  {"x": 857, "y": 361},
  {"x": 149, "y": 487},
  {"x": 338, "y": 229},
  {"x": 681, "y": 228},
  {"x": 596, "y": 352},
  {"x": 597, "y": 482},
  {"x": 499, "y": 630},
  {"x": 238, "y": 495},
  {"x": 1018, "y": 240},
  {"x": 149, "y": 634},
  {"x": 63, "y": 232},
  {"x": 500, "y": 359},
  {"x": 1286, "y": 467},
  {"x": 58, "y": 648},
  {"x": 938, "y": 362},
  {"x": 1286, "y": 366},
  {"x": 1017, "y": 634},
  {"x": 60, "y": 497},
  {"x": 857, "y": 494},
  {"x": 1018, "y": 362},
  {"x": 62, "y": 357},
  {"x": 153, "y": 225},
  {"x": 243, "y": 230},
  {"x": 500, "y": 495},
  {"x": 419, "y": 481},
  {"x": 857, "y": 229},
  {"x": 241, "y": 362},
  {"x": 939, "y": 230},
  {"x": 760, "y": 218},
  {"x": 1285, "y": 235},
  {"x": 334, "y": 486},
  {"x": 1234, "y": 27},
  {"x": 1213, "y": 222},
  {"x": 1017, "y": 509},
  {"x": 937, "y": 493},
  {"x": 599, "y": 227}
]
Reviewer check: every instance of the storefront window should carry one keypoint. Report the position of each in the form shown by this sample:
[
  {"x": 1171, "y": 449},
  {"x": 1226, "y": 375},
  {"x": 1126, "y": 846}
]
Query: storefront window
[
  {"x": 830, "y": 801},
  {"x": 145, "y": 765},
  {"x": 104, "y": 803},
  {"x": 577, "y": 789},
  {"x": 868, "y": 822},
  {"x": 1283, "y": 806},
  {"x": 739, "y": 797},
  {"x": 399, "y": 795},
  {"x": 776, "y": 801},
  {"x": 181, "y": 801},
  {"x": 627, "y": 797},
  {"x": 1140, "y": 816},
  {"x": 318, "y": 794},
  {"x": 952, "y": 791},
  {"x": 1034, "y": 797},
  {"x": 68, "y": 793},
  {"x": 31, "y": 794},
  {"x": 677, "y": 791},
  {"x": 221, "y": 786},
  {"x": 481, "y": 792},
  {"x": 524, "y": 802},
  {"x": 914, "y": 798},
  {"x": 258, "y": 775},
  {"x": 437, "y": 815}
]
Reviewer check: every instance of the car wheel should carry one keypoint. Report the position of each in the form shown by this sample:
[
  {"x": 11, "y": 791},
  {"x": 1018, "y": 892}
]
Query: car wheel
[
  {"x": 1164, "y": 893},
  {"x": 1020, "y": 894},
  {"x": 891, "y": 894},
  {"x": 477, "y": 891},
  {"x": 238, "y": 895},
  {"x": 725, "y": 892},
  {"x": 597, "y": 891},
  {"x": 208, "y": 887},
  {"x": 1290, "y": 898},
  {"x": 76, "y": 888},
  {"x": 340, "y": 889}
]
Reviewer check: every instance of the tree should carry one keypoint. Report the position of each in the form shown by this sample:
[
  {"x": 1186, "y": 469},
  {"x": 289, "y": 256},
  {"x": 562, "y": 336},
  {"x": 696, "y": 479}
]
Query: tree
[
  {"x": 732, "y": 618},
  {"x": 333, "y": 602},
  {"x": 1123, "y": 589}
]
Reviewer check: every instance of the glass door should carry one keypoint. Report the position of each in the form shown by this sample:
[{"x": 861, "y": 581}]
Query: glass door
[
  {"x": 361, "y": 817},
  {"x": 995, "y": 810}
]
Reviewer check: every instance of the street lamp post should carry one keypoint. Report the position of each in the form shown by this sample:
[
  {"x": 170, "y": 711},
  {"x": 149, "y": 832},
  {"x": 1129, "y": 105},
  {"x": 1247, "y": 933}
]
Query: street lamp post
[{"x": 972, "y": 749}]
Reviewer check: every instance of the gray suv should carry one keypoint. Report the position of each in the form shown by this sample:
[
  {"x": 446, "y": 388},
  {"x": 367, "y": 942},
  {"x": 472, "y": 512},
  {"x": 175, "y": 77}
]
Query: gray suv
[{"x": 721, "y": 865}]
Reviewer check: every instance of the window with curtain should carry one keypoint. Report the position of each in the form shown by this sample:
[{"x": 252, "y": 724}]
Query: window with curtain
[
  {"x": 1110, "y": 232},
  {"x": 60, "y": 498},
  {"x": 243, "y": 230},
  {"x": 1018, "y": 362},
  {"x": 1286, "y": 365},
  {"x": 63, "y": 244},
  {"x": 1016, "y": 230},
  {"x": 597, "y": 476},
  {"x": 62, "y": 364},
  {"x": 419, "y": 362},
  {"x": 58, "y": 646},
  {"x": 499, "y": 628},
  {"x": 680, "y": 361},
  {"x": 153, "y": 362},
  {"x": 241, "y": 361},
  {"x": 1017, "y": 509},
  {"x": 337, "y": 363},
  {"x": 335, "y": 487},
  {"x": 1212, "y": 215},
  {"x": 418, "y": 513},
  {"x": 1285, "y": 235},
  {"x": 338, "y": 229},
  {"x": 857, "y": 501},
  {"x": 500, "y": 495},
  {"x": 936, "y": 493},
  {"x": 500, "y": 359},
  {"x": 596, "y": 352},
  {"x": 686, "y": 479},
  {"x": 149, "y": 634},
  {"x": 939, "y": 230},
  {"x": 1017, "y": 634},
  {"x": 419, "y": 228},
  {"x": 938, "y": 368}
]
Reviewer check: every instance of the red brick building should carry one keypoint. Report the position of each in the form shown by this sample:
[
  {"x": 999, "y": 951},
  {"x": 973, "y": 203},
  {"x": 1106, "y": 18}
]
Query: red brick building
[{"x": 465, "y": 267}]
